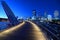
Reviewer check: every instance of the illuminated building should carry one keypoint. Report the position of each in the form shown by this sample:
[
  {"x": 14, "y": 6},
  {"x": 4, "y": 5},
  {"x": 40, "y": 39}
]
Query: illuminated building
[
  {"x": 34, "y": 15},
  {"x": 56, "y": 14},
  {"x": 49, "y": 17}
]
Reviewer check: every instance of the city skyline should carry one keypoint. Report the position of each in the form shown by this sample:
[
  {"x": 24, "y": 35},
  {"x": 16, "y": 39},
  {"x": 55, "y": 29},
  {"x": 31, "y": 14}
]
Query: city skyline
[
  {"x": 23, "y": 8},
  {"x": 29, "y": 19}
]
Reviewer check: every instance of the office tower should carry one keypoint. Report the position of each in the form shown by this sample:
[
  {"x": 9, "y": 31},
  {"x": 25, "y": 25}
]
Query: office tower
[
  {"x": 11, "y": 17},
  {"x": 49, "y": 17},
  {"x": 56, "y": 14},
  {"x": 45, "y": 16},
  {"x": 34, "y": 14}
]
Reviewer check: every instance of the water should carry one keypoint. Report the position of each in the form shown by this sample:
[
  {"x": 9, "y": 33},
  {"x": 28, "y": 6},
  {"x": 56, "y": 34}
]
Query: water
[{"x": 3, "y": 25}]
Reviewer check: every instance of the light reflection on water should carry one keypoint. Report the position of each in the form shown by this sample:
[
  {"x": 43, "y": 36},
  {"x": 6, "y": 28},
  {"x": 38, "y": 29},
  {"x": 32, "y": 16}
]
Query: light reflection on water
[{"x": 3, "y": 25}]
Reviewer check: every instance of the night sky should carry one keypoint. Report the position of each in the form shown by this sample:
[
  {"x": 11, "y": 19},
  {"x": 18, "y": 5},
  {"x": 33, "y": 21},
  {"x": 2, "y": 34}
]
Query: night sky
[{"x": 23, "y": 8}]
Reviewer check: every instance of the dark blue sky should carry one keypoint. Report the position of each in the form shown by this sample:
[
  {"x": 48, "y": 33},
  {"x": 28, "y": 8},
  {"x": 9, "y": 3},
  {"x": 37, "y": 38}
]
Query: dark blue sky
[{"x": 23, "y": 8}]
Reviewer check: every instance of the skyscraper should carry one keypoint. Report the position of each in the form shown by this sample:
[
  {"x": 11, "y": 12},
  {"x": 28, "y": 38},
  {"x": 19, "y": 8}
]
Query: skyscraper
[
  {"x": 34, "y": 14},
  {"x": 13, "y": 20},
  {"x": 45, "y": 14},
  {"x": 56, "y": 14},
  {"x": 49, "y": 17}
]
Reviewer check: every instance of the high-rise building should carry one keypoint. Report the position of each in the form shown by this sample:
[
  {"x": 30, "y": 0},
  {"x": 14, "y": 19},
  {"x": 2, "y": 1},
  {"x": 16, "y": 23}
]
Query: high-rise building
[
  {"x": 45, "y": 14},
  {"x": 11, "y": 17},
  {"x": 34, "y": 14},
  {"x": 49, "y": 17},
  {"x": 56, "y": 14}
]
